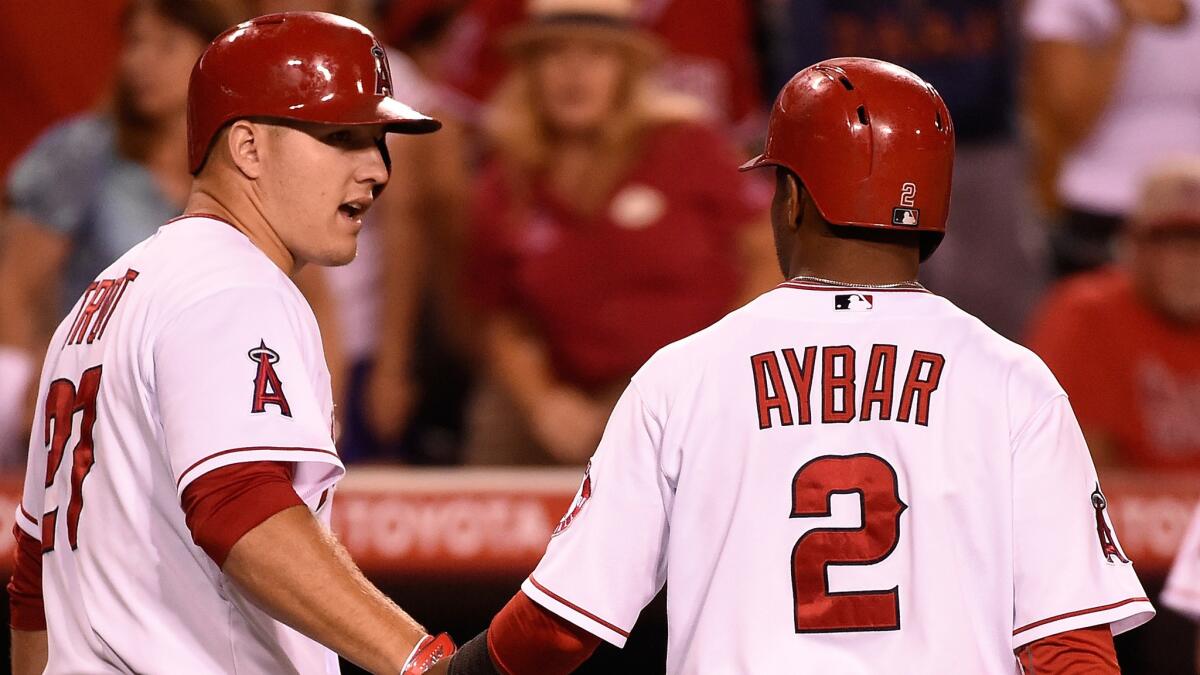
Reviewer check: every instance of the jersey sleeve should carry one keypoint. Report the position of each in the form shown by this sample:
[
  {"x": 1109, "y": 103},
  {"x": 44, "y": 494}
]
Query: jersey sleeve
[
  {"x": 606, "y": 559},
  {"x": 1182, "y": 591},
  {"x": 1069, "y": 570},
  {"x": 234, "y": 383},
  {"x": 28, "y": 516}
]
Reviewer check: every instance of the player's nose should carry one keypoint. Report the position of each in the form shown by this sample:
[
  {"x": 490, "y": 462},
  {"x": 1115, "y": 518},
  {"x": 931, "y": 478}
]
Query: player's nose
[{"x": 374, "y": 166}]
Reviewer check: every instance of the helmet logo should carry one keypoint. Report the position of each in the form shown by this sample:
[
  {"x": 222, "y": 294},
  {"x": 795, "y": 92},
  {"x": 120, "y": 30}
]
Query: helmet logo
[
  {"x": 907, "y": 217},
  {"x": 383, "y": 73},
  {"x": 905, "y": 214}
]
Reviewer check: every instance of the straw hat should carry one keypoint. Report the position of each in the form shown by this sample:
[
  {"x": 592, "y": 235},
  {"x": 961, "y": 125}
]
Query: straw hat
[
  {"x": 1170, "y": 198},
  {"x": 612, "y": 21}
]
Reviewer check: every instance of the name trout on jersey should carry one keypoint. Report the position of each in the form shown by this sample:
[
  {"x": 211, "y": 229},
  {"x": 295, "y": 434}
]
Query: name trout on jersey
[{"x": 840, "y": 398}]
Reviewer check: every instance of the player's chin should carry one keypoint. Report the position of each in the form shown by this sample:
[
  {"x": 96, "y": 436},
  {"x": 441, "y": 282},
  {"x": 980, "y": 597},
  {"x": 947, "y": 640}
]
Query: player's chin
[{"x": 336, "y": 256}]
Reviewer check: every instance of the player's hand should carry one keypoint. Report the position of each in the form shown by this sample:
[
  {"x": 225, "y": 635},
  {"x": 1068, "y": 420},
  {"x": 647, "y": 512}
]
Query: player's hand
[
  {"x": 568, "y": 423},
  {"x": 1157, "y": 12},
  {"x": 390, "y": 396}
]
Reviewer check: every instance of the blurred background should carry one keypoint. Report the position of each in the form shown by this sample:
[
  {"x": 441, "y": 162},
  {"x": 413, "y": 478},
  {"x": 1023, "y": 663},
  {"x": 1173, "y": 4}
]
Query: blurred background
[{"x": 582, "y": 208}]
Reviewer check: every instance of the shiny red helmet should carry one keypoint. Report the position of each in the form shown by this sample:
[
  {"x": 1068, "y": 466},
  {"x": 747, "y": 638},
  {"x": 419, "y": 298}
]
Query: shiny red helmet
[
  {"x": 303, "y": 66},
  {"x": 872, "y": 143}
]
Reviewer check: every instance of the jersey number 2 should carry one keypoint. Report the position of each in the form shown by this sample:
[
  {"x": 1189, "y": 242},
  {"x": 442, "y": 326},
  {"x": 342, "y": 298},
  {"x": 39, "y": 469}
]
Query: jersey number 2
[
  {"x": 63, "y": 401},
  {"x": 819, "y": 610}
]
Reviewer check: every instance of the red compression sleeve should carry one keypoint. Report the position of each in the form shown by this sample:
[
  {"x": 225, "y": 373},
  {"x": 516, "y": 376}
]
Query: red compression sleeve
[
  {"x": 1087, "y": 650},
  {"x": 224, "y": 504},
  {"x": 527, "y": 639},
  {"x": 25, "y": 608}
]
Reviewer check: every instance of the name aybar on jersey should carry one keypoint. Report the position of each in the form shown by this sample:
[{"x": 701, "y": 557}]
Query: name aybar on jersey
[{"x": 839, "y": 397}]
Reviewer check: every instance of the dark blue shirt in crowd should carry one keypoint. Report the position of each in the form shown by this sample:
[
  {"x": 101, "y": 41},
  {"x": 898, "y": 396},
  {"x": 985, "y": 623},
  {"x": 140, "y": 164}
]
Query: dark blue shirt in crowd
[{"x": 963, "y": 47}]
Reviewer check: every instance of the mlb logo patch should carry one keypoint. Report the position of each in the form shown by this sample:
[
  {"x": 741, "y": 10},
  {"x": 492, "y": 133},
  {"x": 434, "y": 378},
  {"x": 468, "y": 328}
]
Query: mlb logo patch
[
  {"x": 854, "y": 302},
  {"x": 908, "y": 217}
]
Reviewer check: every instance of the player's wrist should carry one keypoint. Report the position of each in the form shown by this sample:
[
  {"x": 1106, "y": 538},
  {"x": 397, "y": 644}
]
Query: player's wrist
[
  {"x": 474, "y": 658},
  {"x": 428, "y": 652}
]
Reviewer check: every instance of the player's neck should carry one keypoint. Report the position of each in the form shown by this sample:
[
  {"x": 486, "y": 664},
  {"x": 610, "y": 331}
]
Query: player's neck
[
  {"x": 245, "y": 217},
  {"x": 854, "y": 261}
]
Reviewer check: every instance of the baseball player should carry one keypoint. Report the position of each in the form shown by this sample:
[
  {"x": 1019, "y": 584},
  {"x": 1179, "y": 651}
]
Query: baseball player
[
  {"x": 181, "y": 467},
  {"x": 849, "y": 474}
]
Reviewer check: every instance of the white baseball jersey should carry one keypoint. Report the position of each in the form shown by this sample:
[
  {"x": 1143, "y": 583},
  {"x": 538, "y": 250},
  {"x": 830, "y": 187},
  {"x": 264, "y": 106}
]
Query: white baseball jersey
[
  {"x": 844, "y": 481},
  {"x": 191, "y": 352},
  {"x": 1182, "y": 591}
]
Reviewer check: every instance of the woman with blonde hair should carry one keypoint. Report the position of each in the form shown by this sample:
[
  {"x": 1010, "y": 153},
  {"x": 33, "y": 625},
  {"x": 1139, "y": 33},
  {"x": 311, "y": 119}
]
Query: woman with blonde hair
[{"x": 610, "y": 220}]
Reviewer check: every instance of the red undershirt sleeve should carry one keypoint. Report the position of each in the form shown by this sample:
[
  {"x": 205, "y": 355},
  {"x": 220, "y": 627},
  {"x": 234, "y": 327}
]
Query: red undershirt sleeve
[
  {"x": 1086, "y": 650},
  {"x": 25, "y": 608},
  {"x": 527, "y": 639},
  {"x": 224, "y": 504}
]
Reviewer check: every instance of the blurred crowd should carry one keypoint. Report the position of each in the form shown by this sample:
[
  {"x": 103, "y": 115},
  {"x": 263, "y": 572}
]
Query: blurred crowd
[{"x": 582, "y": 206}]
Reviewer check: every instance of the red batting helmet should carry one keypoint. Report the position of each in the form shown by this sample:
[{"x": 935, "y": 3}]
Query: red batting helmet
[
  {"x": 304, "y": 66},
  {"x": 872, "y": 143}
]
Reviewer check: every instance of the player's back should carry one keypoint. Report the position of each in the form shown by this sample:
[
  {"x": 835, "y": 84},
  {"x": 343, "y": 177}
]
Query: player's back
[
  {"x": 134, "y": 407},
  {"x": 844, "y": 480},
  {"x": 847, "y": 466}
]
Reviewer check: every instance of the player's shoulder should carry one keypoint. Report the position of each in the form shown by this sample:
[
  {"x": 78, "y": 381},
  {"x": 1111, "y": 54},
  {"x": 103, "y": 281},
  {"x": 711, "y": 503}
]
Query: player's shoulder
[
  {"x": 672, "y": 364},
  {"x": 997, "y": 361},
  {"x": 192, "y": 258}
]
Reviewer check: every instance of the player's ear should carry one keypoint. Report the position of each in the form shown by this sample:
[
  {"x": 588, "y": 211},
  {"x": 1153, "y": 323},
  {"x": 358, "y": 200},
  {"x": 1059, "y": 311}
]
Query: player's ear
[
  {"x": 244, "y": 140},
  {"x": 791, "y": 197}
]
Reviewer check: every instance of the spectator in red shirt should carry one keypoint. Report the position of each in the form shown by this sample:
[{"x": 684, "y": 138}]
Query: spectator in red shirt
[
  {"x": 610, "y": 221},
  {"x": 1125, "y": 341}
]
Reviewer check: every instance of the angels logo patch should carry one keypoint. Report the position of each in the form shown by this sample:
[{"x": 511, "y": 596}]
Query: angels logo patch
[
  {"x": 383, "y": 72},
  {"x": 581, "y": 498},
  {"x": 1108, "y": 543},
  {"x": 268, "y": 388}
]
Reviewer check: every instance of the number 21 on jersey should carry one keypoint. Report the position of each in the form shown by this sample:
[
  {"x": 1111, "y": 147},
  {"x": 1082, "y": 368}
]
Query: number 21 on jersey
[
  {"x": 819, "y": 610},
  {"x": 63, "y": 401}
]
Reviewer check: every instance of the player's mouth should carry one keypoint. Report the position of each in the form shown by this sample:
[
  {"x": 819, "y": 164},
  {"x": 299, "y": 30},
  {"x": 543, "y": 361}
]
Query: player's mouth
[{"x": 355, "y": 209}]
